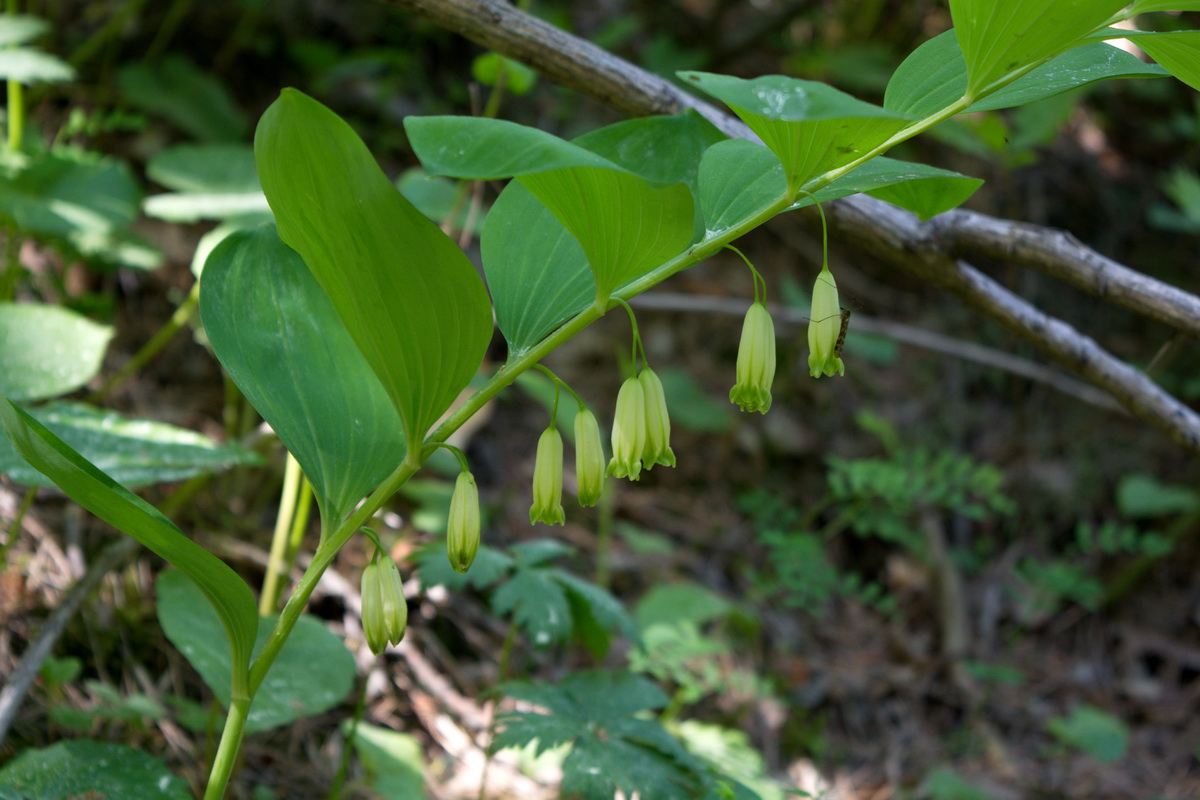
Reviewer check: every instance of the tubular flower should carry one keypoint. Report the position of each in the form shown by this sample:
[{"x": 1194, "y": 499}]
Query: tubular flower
[
  {"x": 589, "y": 458},
  {"x": 755, "y": 361},
  {"x": 462, "y": 531},
  {"x": 384, "y": 609},
  {"x": 548, "y": 479},
  {"x": 824, "y": 328},
  {"x": 629, "y": 431},
  {"x": 658, "y": 423}
]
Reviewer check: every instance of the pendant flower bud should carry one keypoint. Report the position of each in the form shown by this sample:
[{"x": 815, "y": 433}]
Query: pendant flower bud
[
  {"x": 384, "y": 609},
  {"x": 755, "y": 361},
  {"x": 589, "y": 458},
  {"x": 548, "y": 479},
  {"x": 824, "y": 328},
  {"x": 629, "y": 431},
  {"x": 658, "y": 423},
  {"x": 462, "y": 531}
]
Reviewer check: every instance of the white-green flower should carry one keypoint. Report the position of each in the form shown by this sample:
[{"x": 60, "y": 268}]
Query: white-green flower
[
  {"x": 384, "y": 609},
  {"x": 658, "y": 423},
  {"x": 589, "y": 458},
  {"x": 629, "y": 431},
  {"x": 548, "y": 480},
  {"x": 462, "y": 531},
  {"x": 755, "y": 361},
  {"x": 824, "y": 328}
]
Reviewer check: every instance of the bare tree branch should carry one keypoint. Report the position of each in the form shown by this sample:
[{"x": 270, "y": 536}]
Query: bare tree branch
[{"x": 931, "y": 250}]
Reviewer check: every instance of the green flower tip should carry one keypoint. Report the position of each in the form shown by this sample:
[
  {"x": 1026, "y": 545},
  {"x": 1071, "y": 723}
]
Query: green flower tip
[
  {"x": 658, "y": 424},
  {"x": 825, "y": 328},
  {"x": 384, "y": 609},
  {"x": 462, "y": 531},
  {"x": 548, "y": 480},
  {"x": 755, "y": 361},
  {"x": 629, "y": 431},
  {"x": 589, "y": 458}
]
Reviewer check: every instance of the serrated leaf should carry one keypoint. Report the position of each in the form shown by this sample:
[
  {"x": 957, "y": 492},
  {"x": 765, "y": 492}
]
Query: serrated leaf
[
  {"x": 597, "y": 769},
  {"x": 21, "y": 28},
  {"x": 114, "y": 504},
  {"x": 194, "y": 100},
  {"x": 810, "y": 127},
  {"x": 411, "y": 300},
  {"x": 997, "y": 38},
  {"x": 538, "y": 605},
  {"x": 133, "y": 452},
  {"x": 934, "y": 76},
  {"x": 600, "y": 603},
  {"x": 312, "y": 673},
  {"x": 537, "y": 552},
  {"x": 29, "y": 66},
  {"x": 47, "y": 351},
  {"x": 83, "y": 768},
  {"x": 283, "y": 344},
  {"x": 1178, "y": 51}
]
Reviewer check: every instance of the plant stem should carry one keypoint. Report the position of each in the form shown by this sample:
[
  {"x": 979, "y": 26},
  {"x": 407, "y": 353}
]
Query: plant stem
[
  {"x": 276, "y": 565},
  {"x": 227, "y": 751}
]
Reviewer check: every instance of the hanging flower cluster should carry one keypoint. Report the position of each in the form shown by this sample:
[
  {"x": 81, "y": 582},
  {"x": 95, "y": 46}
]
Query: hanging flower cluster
[{"x": 384, "y": 609}]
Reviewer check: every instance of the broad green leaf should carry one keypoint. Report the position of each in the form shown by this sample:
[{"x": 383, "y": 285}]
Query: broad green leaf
[
  {"x": 209, "y": 241},
  {"x": 117, "y": 506},
  {"x": 924, "y": 190},
  {"x": 47, "y": 351},
  {"x": 133, "y": 452},
  {"x": 82, "y": 202},
  {"x": 410, "y": 298},
  {"x": 945, "y": 784},
  {"x": 26, "y": 65},
  {"x": 1095, "y": 732},
  {"x": 536, "y": 270},
  {"x": 82, "y": 768},
  {"x": 934, "y": 76},
  {"x": 179, "y": 91},
  {"x": 394, "y": 762},
  {"x": 1141, "y": 496},
  {"x": 439, "y": 198},
  {"x": 21, "y": 28},
  {"x": 538, "y": 606},
  {"x": 811, "y": 127},
  {"x": 674, "y": 602},
  {"x": 625, "y": 225},
  {"x": 518, "y": 78},
  {"x": 312, "y": 673},
  {"x": 998, "y": 37},
  {"x": 738, "y": 178},
  {"x": 213, "y": 181},
  {"x": 538, "y": 552},
  {"x": 1145, "y": 6},
  {"x": 1178, "y": 51},
  {"x": 433, "y": 568},
  {"x": 283, "y": 344}
]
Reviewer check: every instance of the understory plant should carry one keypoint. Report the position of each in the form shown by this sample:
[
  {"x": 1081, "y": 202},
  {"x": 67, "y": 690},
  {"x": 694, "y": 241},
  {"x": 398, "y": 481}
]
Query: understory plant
[{"x": 354, "y": 325}]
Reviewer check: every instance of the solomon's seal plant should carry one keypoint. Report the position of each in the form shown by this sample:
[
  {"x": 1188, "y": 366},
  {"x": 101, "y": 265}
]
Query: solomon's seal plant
[
  {"x": 589, "y": 457},
  {"x": 462, "y": 527},
  {"x": 548, "y": 479}
]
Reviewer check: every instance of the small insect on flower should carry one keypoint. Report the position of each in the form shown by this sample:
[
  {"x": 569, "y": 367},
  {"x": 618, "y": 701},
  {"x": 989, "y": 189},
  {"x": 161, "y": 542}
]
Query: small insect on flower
[{"x": 827, "y": 327}]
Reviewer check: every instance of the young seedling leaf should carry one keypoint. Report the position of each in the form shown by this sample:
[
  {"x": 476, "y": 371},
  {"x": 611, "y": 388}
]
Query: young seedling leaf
[
  {"x": 133, "y": 452},
  {"x": 410, "y": 298},
  {"x": 934, "y": 76},
  {"x": 811, "y": 127},
  {"x": 229, "y": 595},
  {"x": 82, "y": 768},
  {"x": 277, "y": 334},
  {"x": 312, "y": 673},
  {"x": 998, "y": 38},
  {"x": 1178, "y": 51},
  {"x": 47, "y": 351}
]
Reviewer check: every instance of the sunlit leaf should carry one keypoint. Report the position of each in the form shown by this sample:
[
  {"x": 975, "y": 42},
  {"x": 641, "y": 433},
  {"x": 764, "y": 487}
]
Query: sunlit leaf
[
  {"x": 213, "y": 181},
  {"x": 924, "y": 190},
  {"x": 21, "y": 28},
  {"x": 277, "y": 334},
  {"x": 47, "y": 351},
  {"x": 1144, "y": 6},
  {"x": 82, "y": 768},
  {"x": 1178, "y": 51},
  {"x": 26, "y": 65},
  {"x": 410, "y": 298}
]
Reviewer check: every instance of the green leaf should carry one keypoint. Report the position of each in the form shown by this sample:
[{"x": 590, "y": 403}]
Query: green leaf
[
  {"x": 999, "y": 37},
  {"x": 28, "y": 66},
  {"x": 934, "y": 76},
  {"x": 519, "y": 79},
  {"x": 1145, "y": 6},
  {"x": 212, "y": 181},
  {"x": 283, "y": 344},
  {"x": 924, "y": 190},
  {"x": 21, "y": 28},
  {"x": 433, "y": 568},
  {"x": 1095, "y": 732},
  {"x": 192, "y": 99},
  {"x": 945, "y": 784},
  {"x": 737, "y": 178},
  {"x": 1142, "y": 496},
  {"x": 601, "y": 606},
  {"x": 83, "y": 768},
  {"x": 393, "y": 761},
  {"x": 439, "y": 198},
  {"x": 411, "y": 300},
  {"x": 536, "y": 270},
  {"x": 312, "y": 673},
  {"x": 47, "y": 351},
  {"x": 117, "y": 506},
  {"x": 691, "y": 407},
  {"x": 133, "y": 452},
  {"x": 536, "y": 552},
  {"x": 810, "y": 127},
  {"x": 538, "y": 605},
  {"x": 1178, "y": 51},
  {"x": 624, "y": 225},
  {"x": 679, "y": 602}
]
